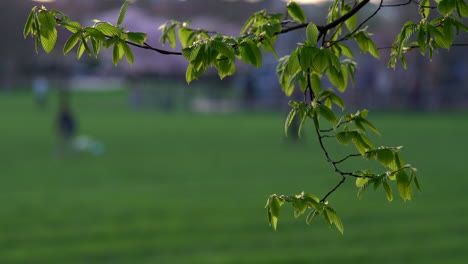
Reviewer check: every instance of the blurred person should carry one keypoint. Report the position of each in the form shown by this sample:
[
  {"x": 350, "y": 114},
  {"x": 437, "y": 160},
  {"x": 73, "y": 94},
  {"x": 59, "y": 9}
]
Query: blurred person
[
  {"x": 66, "y": 128},
  {"x": 40, "y": 91}
]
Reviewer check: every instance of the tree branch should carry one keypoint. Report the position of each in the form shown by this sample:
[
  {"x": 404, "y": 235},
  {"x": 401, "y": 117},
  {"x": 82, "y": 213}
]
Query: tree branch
[{"x": 360, "y": 25}]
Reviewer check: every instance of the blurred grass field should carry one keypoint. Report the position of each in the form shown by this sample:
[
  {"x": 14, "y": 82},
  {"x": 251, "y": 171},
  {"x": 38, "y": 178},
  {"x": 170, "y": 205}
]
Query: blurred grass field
[{"x": 190, "y": 188}]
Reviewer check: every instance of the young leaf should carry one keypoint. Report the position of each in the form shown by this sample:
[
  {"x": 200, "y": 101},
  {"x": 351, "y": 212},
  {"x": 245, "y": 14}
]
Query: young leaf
[
  {"x": 108, "y": 29},
  {"x": 289, "y": 120},
  {"x": 123, "y": 11},
  {"x": 48, "y": 42},
  {"x": 29, "y": 22},
  {"x": 326, "y": 113},
  {"x": 47, "y": 20},
  {"x": 361, "y": 181},
  {"x": 388, "y": 191},
  {"x": 296, "y": 12},
  {"x": 336, "y": 78},
  {"x": 316, "y": 83},
  {"x": 137, "y": 37},
  {"x": 446, "y": 7},
  {"x": 225, "y": 67},
  {"x": 73, "y": 26},
  {"x": 312, "y": 33},
  {"x": 222, "y": 48},
  {"x": 118, "y": 52},
  {"x": 96, "y": 46},
  {"x": 320, "y": 62},
  {"x": 128, "y": 52},
  {"x": 311, "y": 216},
  {"x": 81, "y": 49},
  {"x": 344, "y": 137},
  {"x": 186, "y": 36},
  {"x": 274, "y": 210},
  {"x": 251, "y": 53},
  {"x": 385, "y": 156},
  {"x": 404, "y": 185},
  {"x": 71, "y": 42}
]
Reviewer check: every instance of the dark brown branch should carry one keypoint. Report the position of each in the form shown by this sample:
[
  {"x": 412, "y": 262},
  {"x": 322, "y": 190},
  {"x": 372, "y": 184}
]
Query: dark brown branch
[
  {"x": 347, "y": 157},
  {"x": 409, "y": 48},
  {"x": 402, "y": 4},
  {"x": 343, "y": 179},
  {"x": 333, "y": 24},
  {"x": 147, "y": 46},
  {"x": 361, "y": 24}
]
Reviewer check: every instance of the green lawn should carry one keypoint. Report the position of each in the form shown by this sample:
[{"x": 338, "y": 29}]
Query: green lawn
[{"x": 190, "y": 188}]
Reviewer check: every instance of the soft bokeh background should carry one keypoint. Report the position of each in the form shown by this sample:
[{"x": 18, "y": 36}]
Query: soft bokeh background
[{"x": 164, "y": 172}]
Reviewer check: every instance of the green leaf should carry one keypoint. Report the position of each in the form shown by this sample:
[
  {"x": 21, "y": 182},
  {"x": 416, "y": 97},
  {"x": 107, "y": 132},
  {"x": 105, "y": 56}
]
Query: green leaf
[
  {"x": 96, "y": 34},
  {"x": 320, "y": 62},
  {"x": 336, "y": 78},
  {"x": 47, "y": 20},
  {"x": 440, "y": 38},
  {"x": 81, "y": 49},
  {"x": 171, "y": 36},
  {"x": 248, "y": 23},
  {"x": 351, "y": 22},
  {"x": 312, "y": 33},
  {"x": 186, "y": 36},
  {"x": 268, "y": 45},
  {"x": 462, "y": 8},
  {"x": 123, "y": 11},
  {"x": 222, "y": 48},
  {"x": 306, "y": 57},
  {"x": 225, "y": 67},
  {"x": 274, "y": 210},
  {"x": 311, "y": 216},
  {"x": 344, "y": 137},
  {"x": 96, "y": 46},
  {"x": 73, "y": 26},
  {"x": 388, "y": 191},
  {"x": 194, "y": 73},
  {"x": 404, "y": 185},
  {"x": 361, "y": 181},
  {"x": 118, "y": 52},
  {"x": 296, "y": 12},
  {"x": 108, "y": 29},
  {"x": 29, "y": 23},
  {"x": 137, "y": 37},
  {"x": 48, "y": 42},
  {"x": 385, "y": 156},
  {"x": 337, "y": 100},
  {"x": 416, "y": 183},
  {"x": 128, "y": 52},
  {"x": 316, "y": 83},
  {"x": 331, "y": 217},
  {"x": 361, "y": 143},
  {"x": 345, "y": 50},
  {"x": 251, "y": 53},
  {"x": 446, "y": 7},
  {"x": 71, "y": 42},
  {"x": 327, "y": 113},
  {"x": 289, "y": 120}
]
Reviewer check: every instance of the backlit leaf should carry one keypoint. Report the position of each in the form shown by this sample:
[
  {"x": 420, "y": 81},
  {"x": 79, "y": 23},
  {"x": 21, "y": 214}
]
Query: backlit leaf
[
  {"x": 71, "y": 42},
  {"x": 312, "y": 33},
  {"x": 296, "y": 12}
]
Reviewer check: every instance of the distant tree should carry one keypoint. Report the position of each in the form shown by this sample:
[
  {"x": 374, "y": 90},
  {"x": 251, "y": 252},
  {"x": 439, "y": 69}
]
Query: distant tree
[{"x": 322, "y": 55}]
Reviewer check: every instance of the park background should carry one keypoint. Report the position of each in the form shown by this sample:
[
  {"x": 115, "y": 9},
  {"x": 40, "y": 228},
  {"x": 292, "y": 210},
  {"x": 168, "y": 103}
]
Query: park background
[{"x": 176, "y": 173}]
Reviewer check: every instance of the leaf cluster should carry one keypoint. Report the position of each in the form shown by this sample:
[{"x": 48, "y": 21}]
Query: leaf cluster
[
  {"x": 41, "y": 24},
  {"x": 302, "y": 203},
  {"x": 430, "y": 35}
]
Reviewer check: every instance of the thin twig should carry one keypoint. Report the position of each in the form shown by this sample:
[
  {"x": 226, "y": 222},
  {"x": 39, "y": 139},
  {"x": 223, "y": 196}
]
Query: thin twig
[{"x": 347, "y": 157}]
